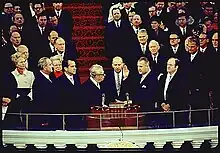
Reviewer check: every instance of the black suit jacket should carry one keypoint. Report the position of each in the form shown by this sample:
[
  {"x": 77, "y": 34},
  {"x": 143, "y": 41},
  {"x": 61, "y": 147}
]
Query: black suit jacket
[
  {"x": 115, "y": 42},
  {"x": 43, "y": 94},
  {"x": 69, "y": 99},
  {"x": 176, "y": 94},
  {"x": 145, "y": 94},
  {"x": 92, "y": 94},
  {"x": 197, "y": 81},
  {"x": 7, "y": 51},
  {"x": 110, "y": 87},
  {"x": 160, "y": 66}
]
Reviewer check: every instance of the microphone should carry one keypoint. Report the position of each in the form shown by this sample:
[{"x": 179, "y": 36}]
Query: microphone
[
  {"x": 103, "y": 99},
  {"x": 122, "y": 135},
  {"x": 127, "y": 97}
]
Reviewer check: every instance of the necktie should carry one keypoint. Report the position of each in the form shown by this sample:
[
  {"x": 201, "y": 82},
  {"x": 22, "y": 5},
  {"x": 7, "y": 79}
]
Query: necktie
[
  {"x": 184, "y": 31},
  {"x": 166, "y": 86},
  {"x": 118, "y": 84},
  {"x": 42, "y": 31},
  {"x": 154, "y": 59},
  {"x": 143, "y": 49},
  {"x": 58, "y": 15},
  {"x": 72, "y": 81},
  {"x": 117, "y": 24}
]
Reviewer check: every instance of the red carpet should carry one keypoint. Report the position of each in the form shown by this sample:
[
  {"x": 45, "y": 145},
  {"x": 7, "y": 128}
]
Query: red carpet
[{"x": 88, "y": 34}]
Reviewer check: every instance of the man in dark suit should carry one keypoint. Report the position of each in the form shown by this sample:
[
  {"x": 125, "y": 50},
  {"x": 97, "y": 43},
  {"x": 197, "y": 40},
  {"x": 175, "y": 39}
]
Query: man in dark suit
[
  {"x": 147, "y": 85},
  {"x": 115, "y": 34},
  {"x": 183, "y": 29},
  {"x": 197, "y": 81},
  {"x": 8, "y": 50},
  {"x": 116, "y": 82},
  {"x": 64, "y": 17},
  {"x": 175, "y": 48},
  {"x": 53, "y": 35},
  {"x": 125, "y": 11},
  {"x": 93, "y": 88},
  {"x": 156, "y": 57},
  {"x": 69, "y": 95},
  {"x": 146, "y": 89},
  {"x": 173, "y": 93},
  {"x": 43, "y": 96},
  {"x": 40, "y": 34},
  {"x": 157, "y": 33},
  {"x": 66, "y": 52}
]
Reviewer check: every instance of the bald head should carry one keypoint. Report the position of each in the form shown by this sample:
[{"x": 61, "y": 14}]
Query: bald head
[
  {"x": 59, "y": 44},
  {"x": 53, "y": 36},
  {"x": 15, "y": 38},
  {"x": 117, "y": 64}
]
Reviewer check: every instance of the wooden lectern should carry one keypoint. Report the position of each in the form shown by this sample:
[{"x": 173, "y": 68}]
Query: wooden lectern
[{"x": 117, "y": 115}]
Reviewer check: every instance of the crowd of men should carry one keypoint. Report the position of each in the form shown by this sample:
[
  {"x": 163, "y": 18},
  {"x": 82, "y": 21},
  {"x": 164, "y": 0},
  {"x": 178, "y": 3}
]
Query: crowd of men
[{"x": 164, "y": 57}]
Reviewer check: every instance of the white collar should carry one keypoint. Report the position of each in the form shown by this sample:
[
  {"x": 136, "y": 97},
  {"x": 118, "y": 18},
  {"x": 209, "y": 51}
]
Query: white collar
[
  {"x": 202, "y": 49},
  {"x": 70, "y": 77},
  {"x": 52, "y": 47},
  {"x": 193, "y": 56},
  {"x": 14, "y": 47},
  {"x": 144, "y": 76},
  {"x": 46, "y": 75},
  {"x": 95, "y": 82},
  {"x": 17, "y": 73},
  {"x": 41, "y": 27},
  {"x": 176, "y": 48}
]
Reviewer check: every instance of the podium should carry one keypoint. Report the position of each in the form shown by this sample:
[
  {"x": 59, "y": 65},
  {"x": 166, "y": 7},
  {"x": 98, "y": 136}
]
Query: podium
[{"x": 117, "y": 115}]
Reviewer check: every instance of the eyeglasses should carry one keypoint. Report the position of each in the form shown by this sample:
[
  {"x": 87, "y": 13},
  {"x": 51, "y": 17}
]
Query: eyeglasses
[
  {"x": 103, "y": 74},
  {"x": 173, "y": 38},
  {"x": 214, "y": 39}
]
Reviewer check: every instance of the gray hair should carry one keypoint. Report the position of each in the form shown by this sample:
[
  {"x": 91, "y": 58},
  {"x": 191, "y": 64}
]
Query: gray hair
[
  {"x": 142, "y": 31},
  {"x": 42, "y": 62},
  {"x": 94, "y": 69},
  {"x": 56, "y": 57}
]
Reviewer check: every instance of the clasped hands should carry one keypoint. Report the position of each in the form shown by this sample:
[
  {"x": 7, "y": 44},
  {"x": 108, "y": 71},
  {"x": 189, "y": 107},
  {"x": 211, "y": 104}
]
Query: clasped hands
[
  {"x": 166, "y": 107},
  {"x": 5, "y": 101}
]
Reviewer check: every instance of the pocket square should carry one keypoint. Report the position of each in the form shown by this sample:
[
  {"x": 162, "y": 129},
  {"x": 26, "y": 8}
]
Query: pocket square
[{"x": 143, "y": 86}]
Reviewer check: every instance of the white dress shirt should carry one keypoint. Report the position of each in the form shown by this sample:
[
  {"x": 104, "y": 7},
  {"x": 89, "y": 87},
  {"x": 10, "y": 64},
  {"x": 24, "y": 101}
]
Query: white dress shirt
[
  {"x": 52, "y": 47},
  {"x": 192, "y": 56},
  {"x": 168, "y": 79},
  {"x": 202, "y": 49},
  {"x": 69, "y": 77},
  {"x": 46, "y": 76},
  {"x": 117, "y": 23},
  {"x": 175, "y": 48},
  {"x": 181, "y": 28},
  {"x": 144, "y": 76},
  {"x": 95, "y": 82},
  {"x": 156, "y": 56}
]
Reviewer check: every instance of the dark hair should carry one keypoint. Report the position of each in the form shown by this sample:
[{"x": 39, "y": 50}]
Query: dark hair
[
  {"x": 37, "y": 2},
  {"x": 174, "y": 33},
  {"x": 42, "y": 14},
  {"x": 155, "y": 18},
  {"x": 183, "y": 14},
  {"x": 143, "y": 59},
  {"x": 194, "y": 39},
  {"x": 177, "y": 62},
  {"x": 65, "y": 63},
  {"x": 116, "y": 8}
]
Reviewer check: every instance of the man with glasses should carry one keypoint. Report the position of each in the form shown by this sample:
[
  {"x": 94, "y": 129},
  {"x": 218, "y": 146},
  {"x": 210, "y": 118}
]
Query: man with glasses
[
  {"x": 93, "y": 87},
  {"x": 175, "y": 47}
]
